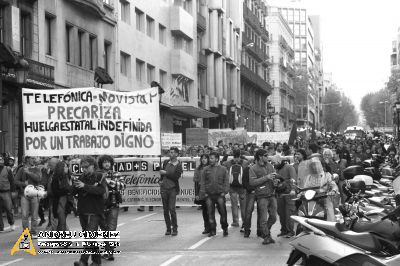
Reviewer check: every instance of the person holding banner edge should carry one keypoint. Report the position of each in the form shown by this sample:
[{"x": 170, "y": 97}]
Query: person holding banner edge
[{"x": 169, "y": 187}]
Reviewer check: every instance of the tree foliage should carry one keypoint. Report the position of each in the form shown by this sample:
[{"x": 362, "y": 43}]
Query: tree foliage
[
  {"x": 373, "y": 107},
  {"x": 338, "y": 116}
]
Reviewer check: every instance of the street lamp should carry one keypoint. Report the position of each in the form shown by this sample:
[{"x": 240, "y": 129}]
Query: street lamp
[
  {"x": 232, "y": 108},
  {"x": 397, "y": 106}
]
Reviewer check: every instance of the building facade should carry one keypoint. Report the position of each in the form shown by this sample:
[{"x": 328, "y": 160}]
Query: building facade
[
  {"x": 255, "y": 78},
  {"x": 281, "y": 72},
  {"x": 63, "y": 42}
]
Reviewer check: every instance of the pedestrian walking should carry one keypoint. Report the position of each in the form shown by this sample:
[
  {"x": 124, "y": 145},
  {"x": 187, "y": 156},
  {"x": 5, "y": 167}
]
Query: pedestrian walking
[
  {"x": 61, "y": 187},
  {"x": 261, "y": 176},
  {"x": 204, "y": 161},
  {"x": 214, "y": 185},
  {"x": 6, "y": 187},
  {"x": 29, "y": 174},
  {"x": 90, "y": 188},
  {"x": 169, "y": 188}
]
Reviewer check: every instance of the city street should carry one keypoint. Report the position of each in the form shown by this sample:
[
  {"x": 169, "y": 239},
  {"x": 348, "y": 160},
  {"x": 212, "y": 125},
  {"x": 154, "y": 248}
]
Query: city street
[{"x": 143, "y": 243}]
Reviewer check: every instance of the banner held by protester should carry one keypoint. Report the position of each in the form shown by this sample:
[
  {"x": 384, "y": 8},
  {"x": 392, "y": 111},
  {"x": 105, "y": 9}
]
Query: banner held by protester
[{"x": 91, "y": 121}]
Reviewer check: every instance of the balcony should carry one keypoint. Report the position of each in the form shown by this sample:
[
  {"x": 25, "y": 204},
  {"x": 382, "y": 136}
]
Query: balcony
[
  {"x": 95, "y": 6},
  {"x": 253, "y": 50},
  {"x": 290, "y": 70},
  {"x": 283, "y": 63},
  {"x": 182, "y": 64},
  {"x": 216, "y": 5},
  {"x": 202, "y": 61},
  {"x": 39, "y": 72},
  {"x": 181, "y": 22},
  {"x": 255, "y": 79},
  {"x": 201, "y": 22},
  {"x": 284, "y": 86},
  {"x": 282, "y": 42}
]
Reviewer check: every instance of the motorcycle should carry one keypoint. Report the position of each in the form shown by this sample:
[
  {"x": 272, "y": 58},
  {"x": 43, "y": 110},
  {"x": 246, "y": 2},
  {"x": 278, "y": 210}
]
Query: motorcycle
[
  {"x": 372, "y": 243},
  {"x": 310, "y": 203}
]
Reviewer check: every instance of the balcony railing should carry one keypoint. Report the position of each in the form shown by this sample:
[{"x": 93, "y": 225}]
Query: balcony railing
[
  {"x": 40, "y": 72},
  {"x": 254, "y": 22},
  {"x": 283, "y": 63},
  {"x": 201, "y": 22},
  {"x": 202, "y": 61},
  {"x": 254, "y": 50},
  {"x": 252, "y": 77}
]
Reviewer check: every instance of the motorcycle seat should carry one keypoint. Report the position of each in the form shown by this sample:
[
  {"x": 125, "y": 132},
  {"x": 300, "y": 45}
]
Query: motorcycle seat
[{"x": 365, "y": 241}]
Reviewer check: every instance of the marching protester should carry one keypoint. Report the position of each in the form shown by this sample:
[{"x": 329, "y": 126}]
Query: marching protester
[
  {"x": 237, "y": 192},
  {"x": 90, "y": 188},
  {"x": 204, "y": 161},
  {"x": 285, "y": 203},
  {"x": 46, "y": 203},
  {"x": 6, "y": 187},
  {"x": 29, "y": 174},
  {"x": 114, "y": 198},
  {"x": 214, "y": 185},
  {"x": 61, "y": 187},
  {"x": 261, "y": 176},
  {"x": 169, "y": 188}
]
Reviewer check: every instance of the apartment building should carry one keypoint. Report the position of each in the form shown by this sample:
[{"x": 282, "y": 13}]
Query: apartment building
[
  {"x": 281, "y": 72},
  {"x": 255, "y": 78},
  {"x": 63, "y": 42},
  {"x": 307, "y": 107}
]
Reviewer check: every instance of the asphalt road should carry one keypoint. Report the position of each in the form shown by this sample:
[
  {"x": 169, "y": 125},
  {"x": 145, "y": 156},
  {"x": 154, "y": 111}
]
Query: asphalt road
[{"x": 143, "y": 243}]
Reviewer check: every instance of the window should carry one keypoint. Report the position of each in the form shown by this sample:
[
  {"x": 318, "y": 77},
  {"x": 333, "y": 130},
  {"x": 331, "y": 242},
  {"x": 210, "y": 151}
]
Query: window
[
  {"x": 297, "y": 15},
  {"x": 296, "y": 29},
  {"x": 163, "y": 78},
  {"x": 80, "y": 47},
  {"x": 296, "y": 43},
  {"x": 187, "y": 5},
  {"x": 303, "y": 16},
  {"x": 297, "y": 57},
  {"x": 290, "y": 14},
  {"x": 188, "y": 46},
  {"x": 303, "y": 43},
  {"x": 183, "y": 44},
  {"x": 139, "y": 70},
  {"x": 150, "y": 73},
  {"x": 92, "y": 52},
  {"x": 107, "y": 49},
  {"x": 139, "y": 20},
  {"x": 291, "y": 27},
  {"x": 125, "y": 64},
  {"x": 161, "y": 34},
  {"x": 303, "y": 29},
  {"x": 48, "y": 32},
  {"x": 68, "y": 46},
  {"x": 125, "y": 11},
  {"x": 25, "y": 34},
  {"x": 2, "y": 24},
  {"x": 150, "y": 27}
]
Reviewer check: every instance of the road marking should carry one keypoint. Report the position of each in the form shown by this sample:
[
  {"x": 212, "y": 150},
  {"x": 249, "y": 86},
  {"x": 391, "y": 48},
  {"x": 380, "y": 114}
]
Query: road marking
[
  {"x": 201, "y": 242},
  {"x": 121, "y": 224},
  {"x": 11, "y": 262},
  {"x": 171, "y": 260},
  {"x": 145, "y": 216}
]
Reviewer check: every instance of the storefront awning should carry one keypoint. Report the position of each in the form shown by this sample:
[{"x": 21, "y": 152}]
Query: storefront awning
[{"x": 193, "y": 112}]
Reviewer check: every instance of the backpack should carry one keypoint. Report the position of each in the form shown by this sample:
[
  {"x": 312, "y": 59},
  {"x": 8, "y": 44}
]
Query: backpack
[{"x": 235, "y": 175}]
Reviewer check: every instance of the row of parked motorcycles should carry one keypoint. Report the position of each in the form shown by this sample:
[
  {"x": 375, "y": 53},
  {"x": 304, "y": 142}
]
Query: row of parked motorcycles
[{"x": 367, "y": 227}]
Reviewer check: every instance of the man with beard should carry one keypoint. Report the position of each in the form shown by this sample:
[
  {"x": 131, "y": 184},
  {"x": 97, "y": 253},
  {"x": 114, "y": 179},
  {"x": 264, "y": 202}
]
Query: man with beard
[
  {"x": 6, "y": 187},
  {"x": 286, "y": 204}
]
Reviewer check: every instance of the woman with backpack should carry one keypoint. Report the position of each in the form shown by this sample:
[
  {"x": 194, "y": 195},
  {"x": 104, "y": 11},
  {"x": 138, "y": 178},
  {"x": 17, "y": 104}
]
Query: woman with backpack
[
  {"x": 204, "y": 161},
  {"x": 61, "y": 187}
]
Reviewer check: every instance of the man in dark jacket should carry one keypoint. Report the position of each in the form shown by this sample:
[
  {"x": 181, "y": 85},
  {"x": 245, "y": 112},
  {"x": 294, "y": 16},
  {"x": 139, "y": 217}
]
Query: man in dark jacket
[
  {"x": 214, "y": 185},
  {"x": 172, "y": 171},
  {"x": 261, "y": 177},
  {"x": 90, "y": 188},
  {"x": 6, "y": 187}
]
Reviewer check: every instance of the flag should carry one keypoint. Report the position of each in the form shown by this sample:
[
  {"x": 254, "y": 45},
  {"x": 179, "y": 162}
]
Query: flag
[{"x": 293, "y": 134}]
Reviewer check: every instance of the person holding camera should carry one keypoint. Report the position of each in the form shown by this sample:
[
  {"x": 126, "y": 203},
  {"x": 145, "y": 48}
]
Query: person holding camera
[
  {"x": 90, "y": 187},
  {"x": 111, "y": 211},
  {"x": 6, "y": 187},
  {"x": 261, "y": 177},
  {"x": 29, "y": 174}
]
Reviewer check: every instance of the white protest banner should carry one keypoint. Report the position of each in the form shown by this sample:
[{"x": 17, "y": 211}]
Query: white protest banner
[
  {"x": 142, "y": 178},
  {"x": 169, "y": 140},
  {"x": 91, "y": 121},
  {"x": 227, "y": 135},
  {"x": 260, "y": 137}
]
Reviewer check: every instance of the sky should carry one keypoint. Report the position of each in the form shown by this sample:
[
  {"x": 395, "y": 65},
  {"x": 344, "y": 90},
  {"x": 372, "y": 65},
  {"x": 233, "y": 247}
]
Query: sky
[{"x": 357, "y": 40}]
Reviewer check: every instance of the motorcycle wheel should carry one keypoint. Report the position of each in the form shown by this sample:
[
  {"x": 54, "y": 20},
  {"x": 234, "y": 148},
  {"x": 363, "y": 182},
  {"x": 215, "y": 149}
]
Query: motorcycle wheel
[{"x": 299, "y": 229}]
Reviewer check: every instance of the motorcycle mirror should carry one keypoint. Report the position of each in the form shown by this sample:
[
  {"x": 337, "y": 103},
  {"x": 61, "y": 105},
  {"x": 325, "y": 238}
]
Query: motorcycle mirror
[
  {"x": 396, "y": 185},
  {"x": 309, "y": 195}
]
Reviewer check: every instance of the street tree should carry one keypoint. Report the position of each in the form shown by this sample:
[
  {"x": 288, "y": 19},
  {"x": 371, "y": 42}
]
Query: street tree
[{"x": 373, "y": 108}]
